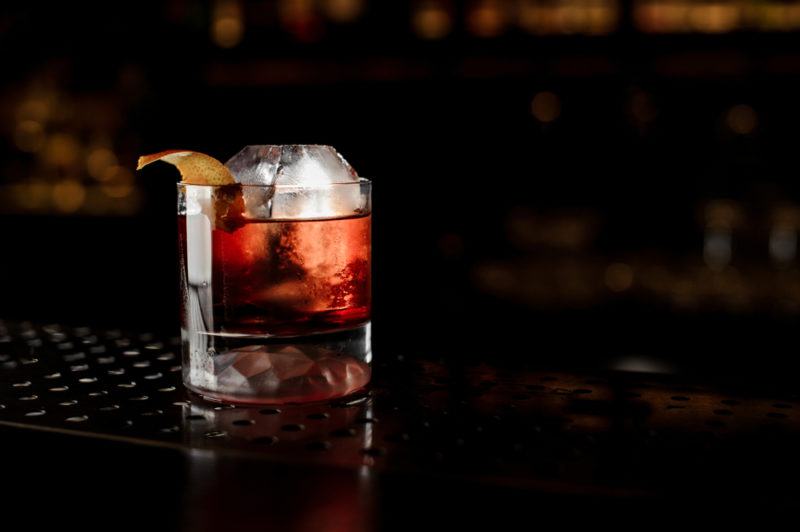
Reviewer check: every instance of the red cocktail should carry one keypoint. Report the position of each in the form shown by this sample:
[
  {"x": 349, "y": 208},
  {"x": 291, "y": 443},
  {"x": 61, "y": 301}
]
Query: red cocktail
[
  {"x": 275, "y": 273},
  {"x": 275, "y": 308}
]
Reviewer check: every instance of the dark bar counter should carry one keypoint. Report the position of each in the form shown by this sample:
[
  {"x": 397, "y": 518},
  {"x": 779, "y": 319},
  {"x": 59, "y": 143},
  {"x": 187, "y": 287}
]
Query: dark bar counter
[{"x": 98, "y": 430}]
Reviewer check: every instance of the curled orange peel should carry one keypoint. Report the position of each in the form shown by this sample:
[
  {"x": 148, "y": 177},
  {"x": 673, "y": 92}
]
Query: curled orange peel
[
  {"x": 196, "y": 168},
  {"x": 200, "y": 169}
]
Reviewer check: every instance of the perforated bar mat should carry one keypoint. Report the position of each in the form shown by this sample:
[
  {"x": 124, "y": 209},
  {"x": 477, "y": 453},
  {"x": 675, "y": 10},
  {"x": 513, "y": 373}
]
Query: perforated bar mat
[{"x": 558, "y": 431}]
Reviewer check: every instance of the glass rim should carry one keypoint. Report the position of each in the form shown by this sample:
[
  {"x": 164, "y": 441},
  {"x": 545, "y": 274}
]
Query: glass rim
[{"x": 361, "y": 181}]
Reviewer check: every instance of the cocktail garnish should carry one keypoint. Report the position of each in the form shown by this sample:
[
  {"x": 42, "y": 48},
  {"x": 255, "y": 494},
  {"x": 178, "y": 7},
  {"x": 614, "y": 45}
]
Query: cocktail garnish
[
  {"x": 196, "y": 168},
  {"x": 200, "y": 169}
]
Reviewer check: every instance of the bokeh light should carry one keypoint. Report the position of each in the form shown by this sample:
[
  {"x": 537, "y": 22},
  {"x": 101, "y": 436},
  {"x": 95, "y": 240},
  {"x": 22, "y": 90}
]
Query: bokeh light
[
  {"x": 227, "y": 24},
  {"x": 99, "y": 161},
  {"x": 546, "y": 107},
  {"x": 741, "y": 119},
  {"x": 343, "y": 10},
  {"x": 590, "y": 17},
  {"x": 487, "y": 18},
  {"x": 62, "y": 150},
  {"x": 714, "y": 16},
  {"x": 68, "y": 196},
  {"x": 431, "y": 19}
]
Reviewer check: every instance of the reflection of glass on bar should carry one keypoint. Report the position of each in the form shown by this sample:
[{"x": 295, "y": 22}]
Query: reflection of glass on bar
[{"x": 276, "y": 307}]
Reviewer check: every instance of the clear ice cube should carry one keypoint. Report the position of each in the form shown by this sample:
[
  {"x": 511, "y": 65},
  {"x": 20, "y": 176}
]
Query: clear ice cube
[
  {"x": 300, "y": 174},
  {"x": 290, "y": 165}
]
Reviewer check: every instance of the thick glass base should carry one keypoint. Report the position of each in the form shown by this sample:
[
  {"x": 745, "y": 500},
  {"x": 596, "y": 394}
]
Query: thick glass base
[{"x": 249, "y": 369}]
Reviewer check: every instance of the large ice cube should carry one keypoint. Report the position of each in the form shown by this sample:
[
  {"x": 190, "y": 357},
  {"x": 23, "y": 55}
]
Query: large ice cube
[
  {"x": 302, "y": 175},
  {"x": 291, "y": 164}
]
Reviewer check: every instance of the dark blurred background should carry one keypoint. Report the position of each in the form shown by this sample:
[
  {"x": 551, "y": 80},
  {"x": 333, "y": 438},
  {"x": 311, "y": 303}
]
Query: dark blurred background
[{"x": 554, "y": 180}]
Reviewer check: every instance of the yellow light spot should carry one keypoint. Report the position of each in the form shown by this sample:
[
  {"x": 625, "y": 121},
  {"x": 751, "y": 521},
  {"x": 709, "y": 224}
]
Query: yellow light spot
[
  {"x": 227, "y": 32},
  {"x": 618, "y": 277},
  {"x": 661, "y": 17},
  {"x": 531, "y": 17},
  {"x": 99, "y": 161},
  {"x": 571, "y": 19},
  {"x": 773, "y": 16},
  {"x": 343, "y": 10},
  {"x": 68, "y": 196},
  {"x": 602, "y": 19},
  {"x": 227, "y": 24},
  {"x": 546, "y": 107},
  {"x": 29, "y": 136},
  {"x": 742, "y": 119},
  {"x": 487, "y": 18},
  {"x": 714, "y": 18},
  {"x": 61, "y": 150},
  {"x": 431, "y": 20}
]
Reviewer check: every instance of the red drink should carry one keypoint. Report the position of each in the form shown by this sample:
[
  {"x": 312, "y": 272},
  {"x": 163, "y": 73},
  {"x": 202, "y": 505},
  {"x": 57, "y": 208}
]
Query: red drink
[{"x": 290, "y": 278}]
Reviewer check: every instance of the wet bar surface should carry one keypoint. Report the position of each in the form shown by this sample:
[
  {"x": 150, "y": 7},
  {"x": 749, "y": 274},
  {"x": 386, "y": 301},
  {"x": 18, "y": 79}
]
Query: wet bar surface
[{"x": 424, "y": 426}]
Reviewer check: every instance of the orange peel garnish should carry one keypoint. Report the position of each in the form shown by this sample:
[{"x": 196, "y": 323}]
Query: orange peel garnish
[
  {"x": 200, "y": 169},
  {"x": 196, "y": 168}
]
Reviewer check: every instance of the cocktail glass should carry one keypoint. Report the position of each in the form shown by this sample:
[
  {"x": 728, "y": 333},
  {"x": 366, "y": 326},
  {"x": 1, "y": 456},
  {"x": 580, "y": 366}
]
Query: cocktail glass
[{"x": 276, "y": 304}]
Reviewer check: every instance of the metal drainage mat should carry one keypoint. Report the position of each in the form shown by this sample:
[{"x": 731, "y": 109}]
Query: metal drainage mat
[{"x": 615, "y": 433}]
